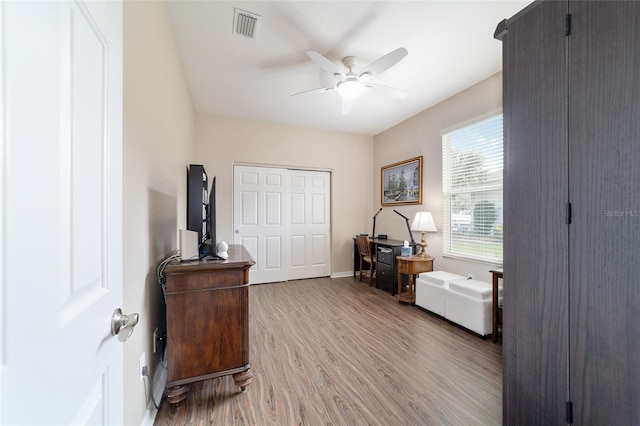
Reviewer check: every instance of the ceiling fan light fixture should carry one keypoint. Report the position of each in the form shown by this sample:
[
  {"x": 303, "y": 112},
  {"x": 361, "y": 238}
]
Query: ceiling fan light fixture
[
  {"x": 351, "y": 85},
  {"x": 350, "y": 89}
]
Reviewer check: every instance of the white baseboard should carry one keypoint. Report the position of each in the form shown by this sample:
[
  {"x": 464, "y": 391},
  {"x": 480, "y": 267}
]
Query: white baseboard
[{"x": 345, "y": 274}]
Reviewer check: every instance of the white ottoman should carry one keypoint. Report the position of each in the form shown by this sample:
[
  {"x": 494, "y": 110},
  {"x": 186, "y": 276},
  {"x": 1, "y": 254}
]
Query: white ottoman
[
  {"x": 468, "y": 303},
  {"x": 431, "y": 288}
]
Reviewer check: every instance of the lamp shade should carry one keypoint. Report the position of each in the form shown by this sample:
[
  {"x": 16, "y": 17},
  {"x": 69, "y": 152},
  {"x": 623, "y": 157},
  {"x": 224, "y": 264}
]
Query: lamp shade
[{"x": 423, "y": 222}]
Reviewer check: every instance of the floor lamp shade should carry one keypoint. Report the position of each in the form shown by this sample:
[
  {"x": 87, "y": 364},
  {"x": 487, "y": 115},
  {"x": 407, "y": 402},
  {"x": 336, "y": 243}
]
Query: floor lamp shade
[{"x": 423, "y": 222}]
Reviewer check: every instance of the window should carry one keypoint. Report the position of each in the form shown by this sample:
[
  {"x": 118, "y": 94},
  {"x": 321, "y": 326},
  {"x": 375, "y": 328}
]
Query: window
[{"x": 472, "y": 165}]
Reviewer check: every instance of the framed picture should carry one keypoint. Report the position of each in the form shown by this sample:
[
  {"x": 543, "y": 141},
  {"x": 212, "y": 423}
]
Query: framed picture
[{"x": 401, "y": 183}]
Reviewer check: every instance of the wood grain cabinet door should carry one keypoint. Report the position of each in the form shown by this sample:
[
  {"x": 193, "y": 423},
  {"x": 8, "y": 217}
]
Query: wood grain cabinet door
[
  {"x": 604, "y": 177},
  {"x": 572, "y": 214},
  {"x": 535, "y": 337}
]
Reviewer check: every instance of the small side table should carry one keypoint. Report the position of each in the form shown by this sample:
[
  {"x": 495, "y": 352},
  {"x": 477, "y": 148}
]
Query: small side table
[
  {"x": 497, "y": 310},
  {"x": 411, "y": 266}
]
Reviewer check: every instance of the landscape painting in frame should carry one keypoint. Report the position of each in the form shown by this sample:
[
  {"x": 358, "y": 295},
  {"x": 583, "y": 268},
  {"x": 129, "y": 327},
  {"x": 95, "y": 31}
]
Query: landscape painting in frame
[{"x": 402, "y": 183}]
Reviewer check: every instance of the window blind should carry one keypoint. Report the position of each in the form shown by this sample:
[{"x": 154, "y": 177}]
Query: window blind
[{"x": 472, "y": 165}]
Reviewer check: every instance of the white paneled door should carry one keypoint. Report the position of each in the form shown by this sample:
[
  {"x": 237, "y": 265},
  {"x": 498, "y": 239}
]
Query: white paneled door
[
  {"x": 282, "y": 217},
  {"x": 260, "y": 220},
  {"x": 309, "y": 225},
  {"x": 61, "y": 212}
]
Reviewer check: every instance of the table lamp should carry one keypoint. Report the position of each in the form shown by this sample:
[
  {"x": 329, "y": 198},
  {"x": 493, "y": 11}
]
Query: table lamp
[{"x": 423, "y": 222}]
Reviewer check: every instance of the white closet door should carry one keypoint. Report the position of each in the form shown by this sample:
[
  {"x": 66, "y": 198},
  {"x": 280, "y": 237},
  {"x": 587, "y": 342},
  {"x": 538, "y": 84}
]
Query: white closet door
[
  {"x": 282, "y": 217},
  {"x": 260, "y": 222},
  {"x": 309, "y": 224}
]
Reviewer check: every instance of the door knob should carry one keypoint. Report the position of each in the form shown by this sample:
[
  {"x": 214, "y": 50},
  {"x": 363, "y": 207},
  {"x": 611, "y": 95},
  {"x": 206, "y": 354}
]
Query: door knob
[{"x": 122, "y": 325}]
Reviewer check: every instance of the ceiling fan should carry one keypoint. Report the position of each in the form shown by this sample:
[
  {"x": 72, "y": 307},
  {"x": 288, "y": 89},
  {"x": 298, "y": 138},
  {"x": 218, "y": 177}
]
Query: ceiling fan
[{"x": 350, "y": 85}]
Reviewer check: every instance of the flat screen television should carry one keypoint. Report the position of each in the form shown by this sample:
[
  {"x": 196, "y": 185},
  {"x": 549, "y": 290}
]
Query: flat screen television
[
  {"x": 197, "y": 199},
  {"x": 208, "y": 248}
]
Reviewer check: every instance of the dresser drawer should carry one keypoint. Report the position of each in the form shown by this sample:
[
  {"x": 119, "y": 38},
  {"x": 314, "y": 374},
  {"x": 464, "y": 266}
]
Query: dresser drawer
[
  {"x": 384, "y": 273},
  {"x": 385, "y": 255}
]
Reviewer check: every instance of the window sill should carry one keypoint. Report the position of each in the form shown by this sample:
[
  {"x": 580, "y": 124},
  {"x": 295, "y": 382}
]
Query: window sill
[{"x": 474, "y": 259}]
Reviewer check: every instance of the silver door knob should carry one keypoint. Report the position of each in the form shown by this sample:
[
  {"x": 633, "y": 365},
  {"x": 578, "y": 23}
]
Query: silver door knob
[{"x": 122, "y": 325}]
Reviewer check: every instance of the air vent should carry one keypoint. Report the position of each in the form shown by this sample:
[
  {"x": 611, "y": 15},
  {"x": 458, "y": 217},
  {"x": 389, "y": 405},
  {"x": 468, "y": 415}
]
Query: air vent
[{"x": 245, "y": 23}]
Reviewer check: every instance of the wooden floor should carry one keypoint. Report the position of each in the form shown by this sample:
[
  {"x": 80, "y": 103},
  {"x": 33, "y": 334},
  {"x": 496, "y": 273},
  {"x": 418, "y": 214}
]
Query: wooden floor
[{"x": 338, "y": 352}]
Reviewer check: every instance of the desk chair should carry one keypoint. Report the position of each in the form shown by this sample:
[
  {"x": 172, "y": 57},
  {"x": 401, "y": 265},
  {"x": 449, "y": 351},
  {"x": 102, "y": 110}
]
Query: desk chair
[{"x": 364, "y": 247}]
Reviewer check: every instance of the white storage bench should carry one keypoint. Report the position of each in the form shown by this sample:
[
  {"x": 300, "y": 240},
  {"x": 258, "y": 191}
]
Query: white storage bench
[
  {"x": 462, "y": 301},
  {"x": 431, "y": 288}
]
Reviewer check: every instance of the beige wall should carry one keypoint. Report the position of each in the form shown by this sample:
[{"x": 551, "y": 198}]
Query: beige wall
[
  {"x": 158, "y": 144},
  {"x": 421, "y": 135},
  {"x": 223, "y": 142},
  {"x": 162, "y": 135}
]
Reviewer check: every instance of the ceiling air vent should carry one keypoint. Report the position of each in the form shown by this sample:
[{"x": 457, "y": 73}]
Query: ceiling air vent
[{"x": 245, "y": 23}]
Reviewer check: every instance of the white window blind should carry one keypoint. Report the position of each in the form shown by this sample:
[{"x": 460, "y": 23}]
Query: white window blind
[{"x": 472, "y": 164}]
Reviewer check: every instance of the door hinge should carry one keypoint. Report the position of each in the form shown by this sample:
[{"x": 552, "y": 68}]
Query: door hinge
[
  {"x": 567, "y": 24},
  {"x": 567, "y": 216},
  {"x": 569, "y": 412}
]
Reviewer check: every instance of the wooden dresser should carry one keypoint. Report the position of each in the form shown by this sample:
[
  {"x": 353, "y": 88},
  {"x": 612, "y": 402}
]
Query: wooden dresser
[{"x": 208, "y": 321}]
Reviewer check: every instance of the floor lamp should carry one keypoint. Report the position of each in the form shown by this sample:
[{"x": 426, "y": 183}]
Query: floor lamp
[{"x": 423, "y": 222}]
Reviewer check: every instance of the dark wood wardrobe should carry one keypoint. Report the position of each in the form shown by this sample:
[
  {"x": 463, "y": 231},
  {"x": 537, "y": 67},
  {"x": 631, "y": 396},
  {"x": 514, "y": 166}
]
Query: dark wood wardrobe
[{"x": 571, "y": 341}]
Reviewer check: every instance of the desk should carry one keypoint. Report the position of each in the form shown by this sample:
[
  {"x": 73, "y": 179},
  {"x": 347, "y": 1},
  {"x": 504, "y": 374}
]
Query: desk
[
  {"x": 411, "y": 266},
  {"x": 497, "y": 310},
  {"x": 385, "y": 251}
]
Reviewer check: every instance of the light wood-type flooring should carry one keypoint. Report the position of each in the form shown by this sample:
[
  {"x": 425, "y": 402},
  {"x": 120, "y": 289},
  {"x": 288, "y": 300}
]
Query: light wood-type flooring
[{"x": 338, "y": 352}]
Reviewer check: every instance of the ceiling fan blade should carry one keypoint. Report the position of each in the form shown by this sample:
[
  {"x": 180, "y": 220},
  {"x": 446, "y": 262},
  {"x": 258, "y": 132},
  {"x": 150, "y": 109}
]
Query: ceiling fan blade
[
  {"x": 347, "y": 106},
  {"x": 313, "y": 91},
  {"x": 388, "y": 90},
  {"x": 385, "y": 62},
  {"x": 326, "y": 64}
]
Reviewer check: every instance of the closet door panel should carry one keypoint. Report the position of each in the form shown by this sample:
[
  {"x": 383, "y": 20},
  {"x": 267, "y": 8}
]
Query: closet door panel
[
  {"x": 535, "y": 340},
  {"x": 605, "y": 235}
]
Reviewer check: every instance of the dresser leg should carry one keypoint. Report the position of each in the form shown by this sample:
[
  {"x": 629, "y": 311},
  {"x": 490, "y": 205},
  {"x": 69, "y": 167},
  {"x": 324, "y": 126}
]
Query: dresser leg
[
  {"x": 176, "y": 394},
  {"x": 243, "y": 379}
]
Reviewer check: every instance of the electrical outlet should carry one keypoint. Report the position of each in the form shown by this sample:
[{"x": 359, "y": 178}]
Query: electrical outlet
[{"x": 142, "y": 364}]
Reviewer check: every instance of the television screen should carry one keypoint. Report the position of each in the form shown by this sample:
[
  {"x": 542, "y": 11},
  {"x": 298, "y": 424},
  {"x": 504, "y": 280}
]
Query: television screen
[
  {"x": 211, "y": 220},
  {"x": 209, "y": 246},
  {"x": 197, "y": 199}
]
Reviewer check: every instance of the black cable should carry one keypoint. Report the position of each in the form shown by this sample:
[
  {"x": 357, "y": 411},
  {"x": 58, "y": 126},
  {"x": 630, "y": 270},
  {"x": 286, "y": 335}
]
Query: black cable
[{"x": 160, "y": 271}]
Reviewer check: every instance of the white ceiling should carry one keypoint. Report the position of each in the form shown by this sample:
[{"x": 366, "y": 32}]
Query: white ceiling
[{"x": 450, "y": 44}]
